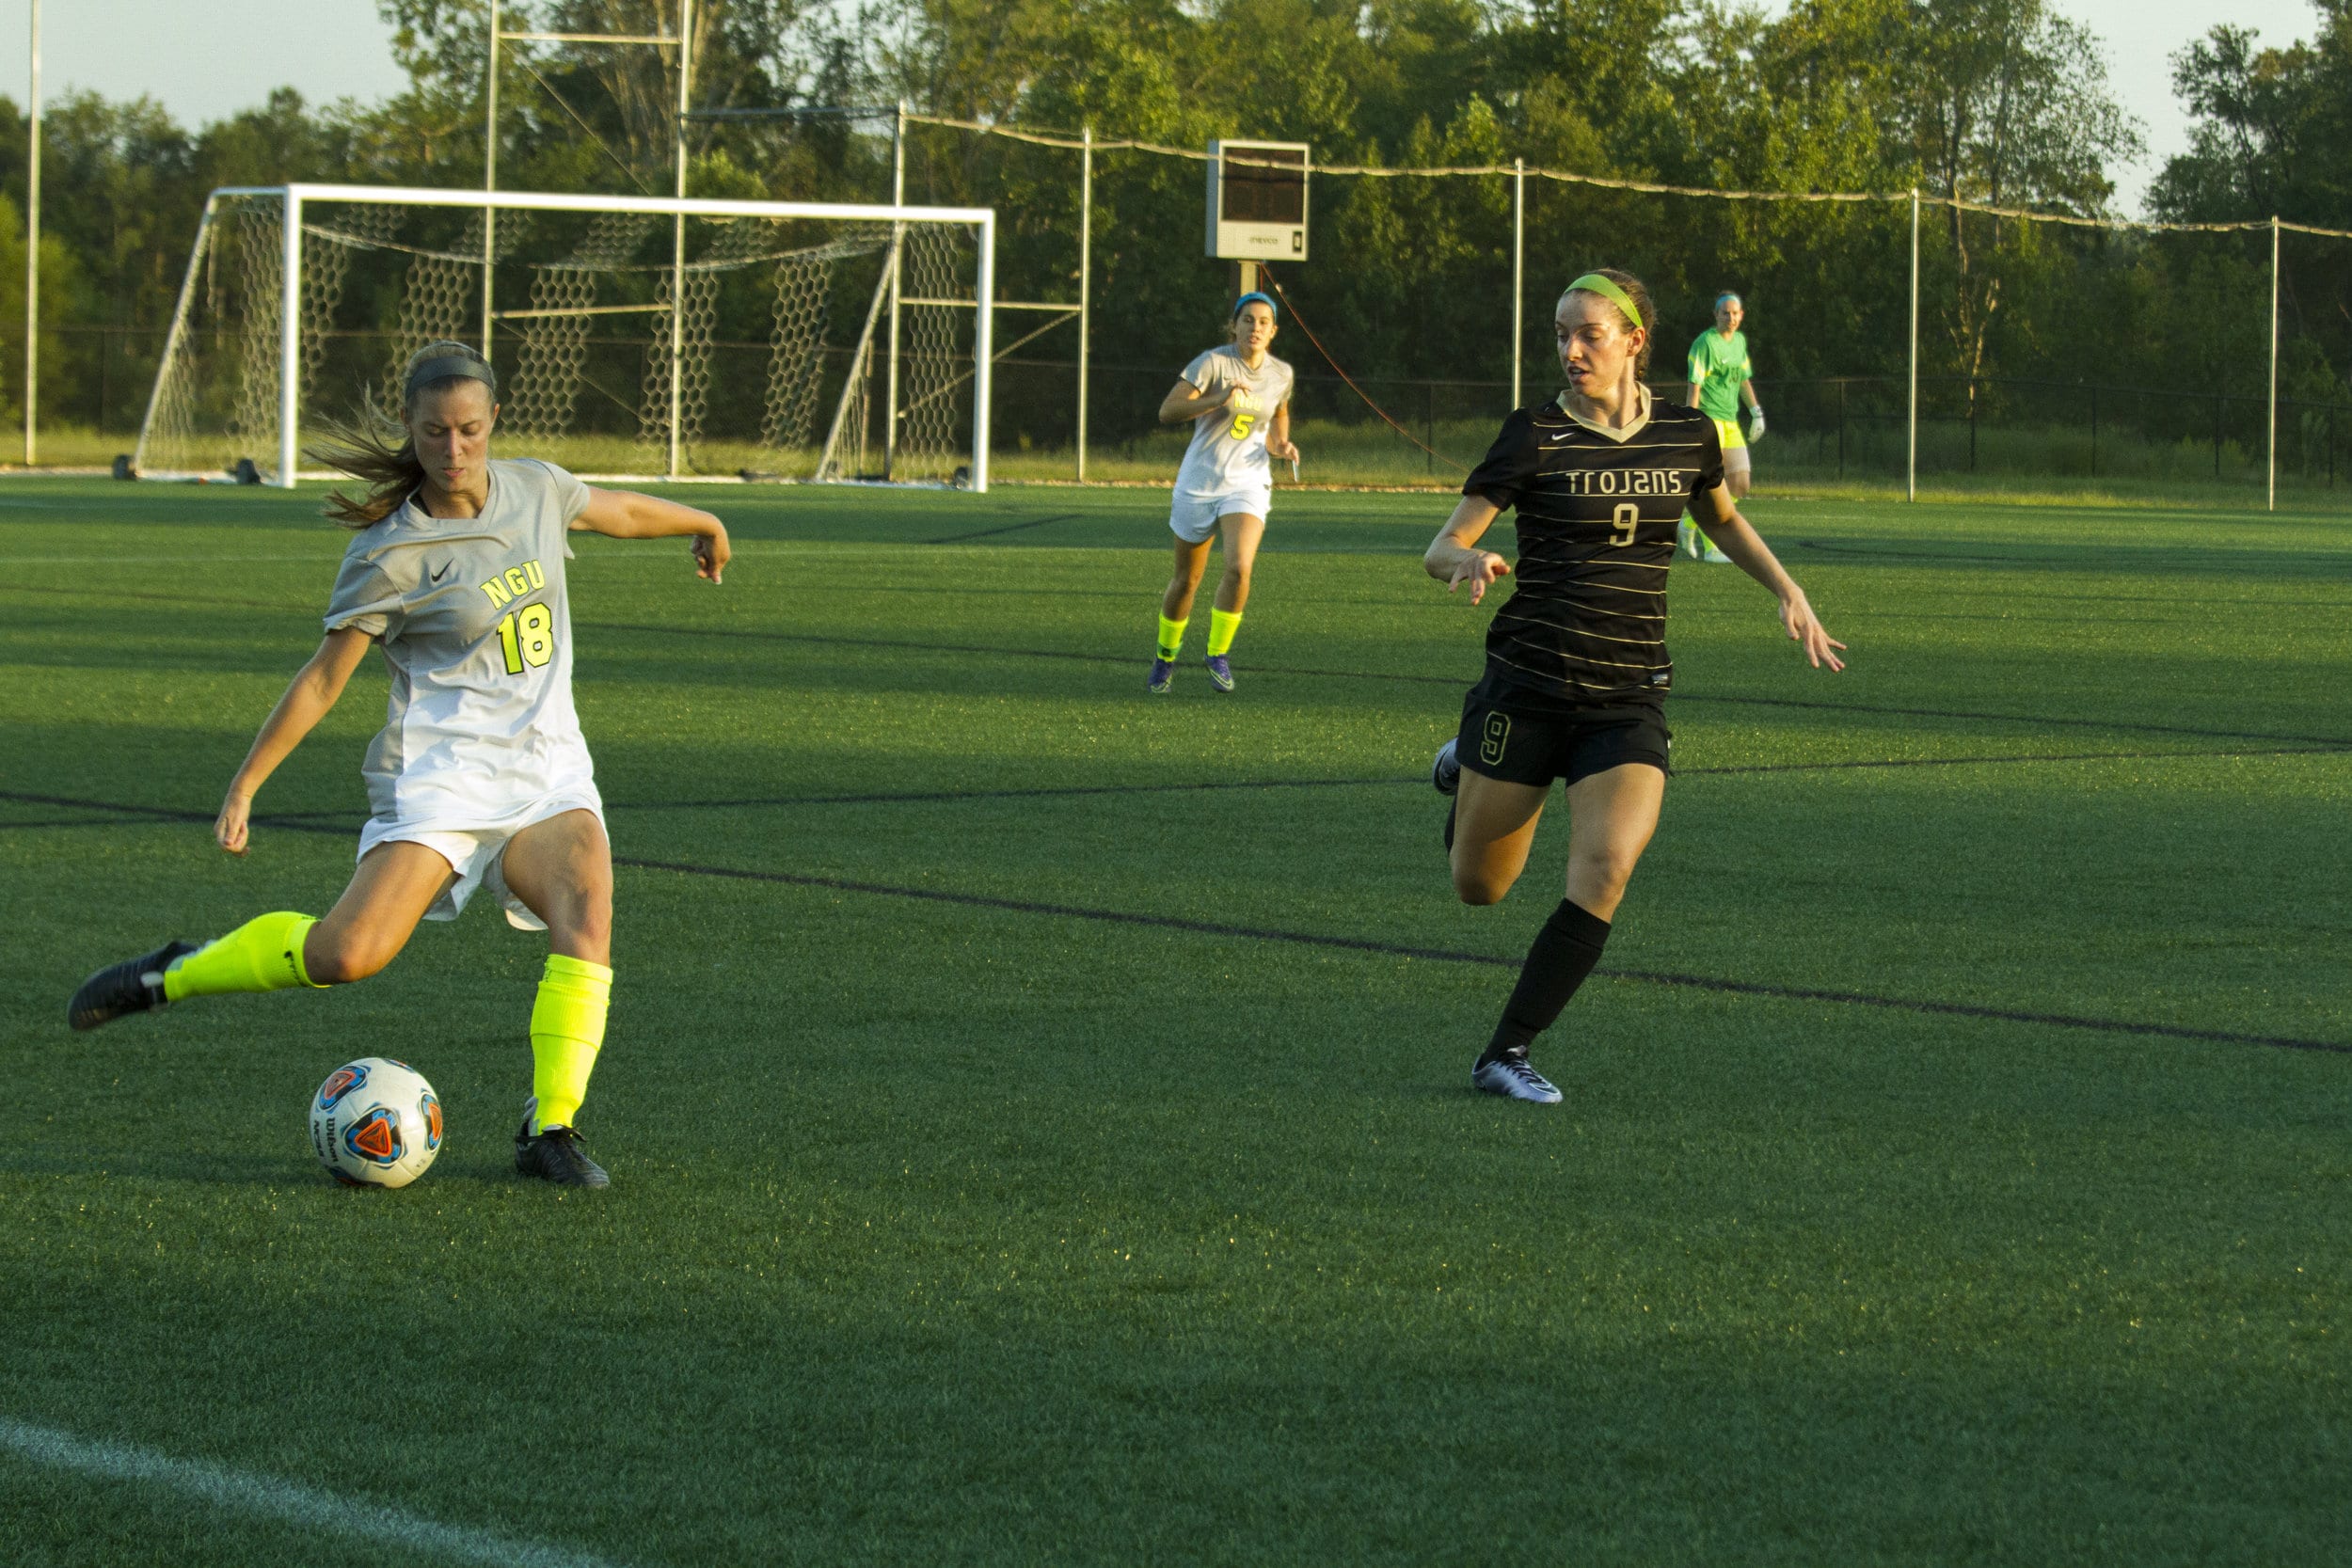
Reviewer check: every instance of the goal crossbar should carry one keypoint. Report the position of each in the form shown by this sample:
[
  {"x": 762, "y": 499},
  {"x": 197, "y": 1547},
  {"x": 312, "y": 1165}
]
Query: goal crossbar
[{"x": 295, "y": 197}]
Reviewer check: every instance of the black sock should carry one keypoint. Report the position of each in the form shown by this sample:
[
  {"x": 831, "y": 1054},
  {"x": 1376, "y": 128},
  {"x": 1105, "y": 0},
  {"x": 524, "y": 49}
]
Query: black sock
[{"x": 1564, "y": 953}]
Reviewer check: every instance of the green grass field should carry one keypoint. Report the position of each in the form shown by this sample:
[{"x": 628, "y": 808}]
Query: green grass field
[{"x": 1038, "y": 1115}]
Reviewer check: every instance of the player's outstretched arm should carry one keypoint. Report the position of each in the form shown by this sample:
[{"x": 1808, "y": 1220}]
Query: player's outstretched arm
[
  {"x": 627, "y": 514},
  {"x": 1737, "y": 539},
  {"x": 312, "y": 692},
  {"x": 1454, "y": 556}
]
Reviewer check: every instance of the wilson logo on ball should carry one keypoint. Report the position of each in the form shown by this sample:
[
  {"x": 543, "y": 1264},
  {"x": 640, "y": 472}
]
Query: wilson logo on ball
[
  {"x": 339, "y": 1083},
  {"x": 376, "y": 1136}
]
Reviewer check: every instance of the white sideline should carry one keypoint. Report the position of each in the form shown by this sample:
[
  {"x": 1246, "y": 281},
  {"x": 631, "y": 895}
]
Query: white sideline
[{"x": 282, "y": 1500}]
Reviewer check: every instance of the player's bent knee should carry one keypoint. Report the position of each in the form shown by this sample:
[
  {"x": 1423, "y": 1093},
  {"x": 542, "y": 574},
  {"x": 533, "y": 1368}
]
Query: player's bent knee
[
  {"x": 345, "y": 956},
  {"x": 1602, "y": 873},
  {"x": 1478, "y": 885}
]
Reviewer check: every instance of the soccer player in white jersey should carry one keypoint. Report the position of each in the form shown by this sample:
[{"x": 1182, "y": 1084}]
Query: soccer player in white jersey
[
  {"x": 1239, "y": 399},
  {"x": 479, "y": 778}
]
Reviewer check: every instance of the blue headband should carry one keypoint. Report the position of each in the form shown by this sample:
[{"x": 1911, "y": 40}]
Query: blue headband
[
  {"x": 1245, "y": 301},
  {"x": 1727, "y": 294}
]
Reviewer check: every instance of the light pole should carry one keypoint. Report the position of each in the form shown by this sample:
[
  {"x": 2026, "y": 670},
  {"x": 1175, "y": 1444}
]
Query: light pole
[{"x": 32, "y": 252}]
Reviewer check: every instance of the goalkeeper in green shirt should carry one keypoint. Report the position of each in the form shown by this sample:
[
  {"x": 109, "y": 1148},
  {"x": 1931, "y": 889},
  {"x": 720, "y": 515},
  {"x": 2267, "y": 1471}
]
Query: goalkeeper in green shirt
[{"x": 1719, "y": 377}]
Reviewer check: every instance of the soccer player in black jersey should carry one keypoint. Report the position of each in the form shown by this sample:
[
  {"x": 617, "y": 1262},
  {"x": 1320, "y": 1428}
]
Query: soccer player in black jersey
[{"x": 1577, "y": 672}]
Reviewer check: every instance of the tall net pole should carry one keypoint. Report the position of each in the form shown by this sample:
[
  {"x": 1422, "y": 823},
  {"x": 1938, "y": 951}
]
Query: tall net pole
[
  {"x": 1911, "y": 458},
  {"x": 289, "y": 343},
  {"x": 32, "y": 255},
  {"x": 489, "y": 180},
  {"x": 2271, "y": 457},
  {"x": 1518, "y": 271},
  {"x": 677, "y": 272},
  {"x": 897, "y": 246},
  {"x": 983, "y": 349},
  {"x": 1085, "y": 285}
]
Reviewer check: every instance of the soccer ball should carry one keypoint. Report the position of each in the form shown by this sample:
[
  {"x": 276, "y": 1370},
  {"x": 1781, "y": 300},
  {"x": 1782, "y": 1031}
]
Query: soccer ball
[{"x": 375, "y": 1123}]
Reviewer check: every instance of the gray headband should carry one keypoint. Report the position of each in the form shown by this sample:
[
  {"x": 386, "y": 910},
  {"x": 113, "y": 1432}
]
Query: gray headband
[{"x": 470, "y": 366}]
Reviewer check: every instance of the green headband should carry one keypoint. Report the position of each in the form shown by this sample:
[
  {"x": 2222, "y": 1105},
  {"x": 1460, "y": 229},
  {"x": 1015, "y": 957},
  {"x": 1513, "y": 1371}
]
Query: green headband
[{"x": 1592, "y": 282}]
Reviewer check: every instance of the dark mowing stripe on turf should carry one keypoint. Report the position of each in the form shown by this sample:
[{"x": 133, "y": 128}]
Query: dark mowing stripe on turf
[
  {"x": 337, "y": 820},
  {"x": 167, "y": 598},
  {"x": 929, "y": 795},
  {"x": 2116, "y": 724},
  {"x": 946, "y": 796},
  {"x": 2016, "y": 718},
  {"x": 1441, "y": 954},
  {"x": 1008, "y": 528},
  {"x": 342, "y": 822},
  {"x": 173, "y": 813},
  {"x": 1354, "y": 944},
  {"x": 1459, "y": 684},
  {"x": 2021, "y": 756}
]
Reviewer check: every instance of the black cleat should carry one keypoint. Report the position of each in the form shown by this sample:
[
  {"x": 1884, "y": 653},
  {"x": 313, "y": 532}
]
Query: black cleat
[
  {"x": 133, "y": 986},
  {"x": 553, "y": 1154}
]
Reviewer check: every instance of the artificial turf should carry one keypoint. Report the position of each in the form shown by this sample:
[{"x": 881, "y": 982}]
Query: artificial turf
[{"x": 1039, "y": 1114}]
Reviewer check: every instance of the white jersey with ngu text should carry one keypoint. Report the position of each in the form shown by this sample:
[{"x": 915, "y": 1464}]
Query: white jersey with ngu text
[{"x": 474, "y": 623}]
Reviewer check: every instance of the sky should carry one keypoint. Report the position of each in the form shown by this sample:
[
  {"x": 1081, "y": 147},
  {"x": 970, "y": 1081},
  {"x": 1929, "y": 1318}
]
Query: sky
[{"x": 206, "y": 59}]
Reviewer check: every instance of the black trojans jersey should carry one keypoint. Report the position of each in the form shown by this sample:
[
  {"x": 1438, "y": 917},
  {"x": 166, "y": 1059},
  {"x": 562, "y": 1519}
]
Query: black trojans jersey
[{"x": 1586, "y": 620}]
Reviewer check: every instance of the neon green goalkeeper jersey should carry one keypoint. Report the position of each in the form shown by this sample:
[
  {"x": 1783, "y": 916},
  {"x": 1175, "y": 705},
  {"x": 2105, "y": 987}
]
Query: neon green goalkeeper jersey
[{"x": 1718, "y": 366}]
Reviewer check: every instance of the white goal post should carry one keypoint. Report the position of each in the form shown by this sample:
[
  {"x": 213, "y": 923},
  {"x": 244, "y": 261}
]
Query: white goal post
[{"x": 736, "y": 340}]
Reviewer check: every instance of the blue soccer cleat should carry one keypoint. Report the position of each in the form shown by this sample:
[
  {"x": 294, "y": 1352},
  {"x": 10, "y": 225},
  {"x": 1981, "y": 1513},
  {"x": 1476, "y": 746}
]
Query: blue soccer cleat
[
  {"x": 1220, "y": 673},
  {"x": 1163, "y": 676}
]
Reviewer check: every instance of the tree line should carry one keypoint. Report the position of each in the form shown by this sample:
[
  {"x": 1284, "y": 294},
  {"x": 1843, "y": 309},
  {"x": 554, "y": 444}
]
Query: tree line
[{"x": 1998, "y": 102}]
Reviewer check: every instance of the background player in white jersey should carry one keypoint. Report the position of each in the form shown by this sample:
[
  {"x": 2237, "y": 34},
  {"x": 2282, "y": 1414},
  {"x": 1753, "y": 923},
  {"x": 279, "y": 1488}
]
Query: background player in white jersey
[
  {"x": 1238, "y": 398},
  {"x": 479, "y": 777}
]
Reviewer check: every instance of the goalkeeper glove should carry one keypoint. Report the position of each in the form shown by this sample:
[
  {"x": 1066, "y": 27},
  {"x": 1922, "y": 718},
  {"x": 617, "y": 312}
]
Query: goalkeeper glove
[{"x": 1756, "y": 424}]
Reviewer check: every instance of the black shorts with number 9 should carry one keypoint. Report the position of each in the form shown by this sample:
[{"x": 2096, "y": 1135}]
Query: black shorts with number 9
[{"x": 1533, "y": 743}]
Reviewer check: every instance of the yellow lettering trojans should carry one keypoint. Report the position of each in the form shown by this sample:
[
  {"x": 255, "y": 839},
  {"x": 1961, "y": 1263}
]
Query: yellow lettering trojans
[{"x": 515, "y": 582}]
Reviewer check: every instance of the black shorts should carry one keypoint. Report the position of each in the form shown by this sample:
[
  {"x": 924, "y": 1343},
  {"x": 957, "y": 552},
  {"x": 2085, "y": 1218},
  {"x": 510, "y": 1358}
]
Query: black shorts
[{"x": 1533, "y": 742}]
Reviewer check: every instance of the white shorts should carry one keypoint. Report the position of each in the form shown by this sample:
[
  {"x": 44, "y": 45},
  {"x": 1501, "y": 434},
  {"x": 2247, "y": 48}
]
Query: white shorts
[
  {"x": 1193, "y": 518},
  {"x": 476, "y": 852}
]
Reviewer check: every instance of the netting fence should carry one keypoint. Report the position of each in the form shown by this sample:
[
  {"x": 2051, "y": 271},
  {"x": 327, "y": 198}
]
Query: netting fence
[{"x": 2046, "y": 351}]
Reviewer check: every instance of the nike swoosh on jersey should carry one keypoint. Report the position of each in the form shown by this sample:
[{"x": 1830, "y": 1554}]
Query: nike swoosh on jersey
[{"x": 437, "y": 576}]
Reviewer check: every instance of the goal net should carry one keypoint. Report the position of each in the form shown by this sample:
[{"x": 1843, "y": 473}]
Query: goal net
[{"x": 634, "y": 338}]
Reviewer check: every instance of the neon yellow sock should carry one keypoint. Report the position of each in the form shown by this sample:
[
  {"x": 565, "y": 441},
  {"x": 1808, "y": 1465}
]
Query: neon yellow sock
[
  {"x": 263, "y": 954},
  {"x": 1222, "y": 624},
  {"x": 1172, "y": 637},
  {"x": 567, "y": 1031}
]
